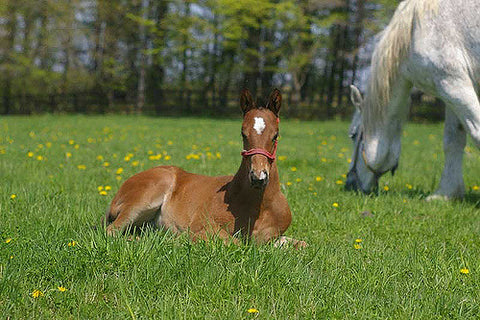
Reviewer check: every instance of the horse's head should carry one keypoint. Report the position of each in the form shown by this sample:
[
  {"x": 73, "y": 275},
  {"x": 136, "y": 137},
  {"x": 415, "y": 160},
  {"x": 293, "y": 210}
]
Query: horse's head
[
  {"x": 375, "y": 151},
  {"x": 260, "y": 133}
]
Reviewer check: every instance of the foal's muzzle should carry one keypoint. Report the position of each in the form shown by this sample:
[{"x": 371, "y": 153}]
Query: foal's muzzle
[{"x": 258, "y": 179}]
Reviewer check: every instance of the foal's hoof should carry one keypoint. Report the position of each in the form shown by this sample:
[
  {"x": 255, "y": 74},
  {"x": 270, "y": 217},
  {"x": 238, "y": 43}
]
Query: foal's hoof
[{"x": 283, "y": 241}]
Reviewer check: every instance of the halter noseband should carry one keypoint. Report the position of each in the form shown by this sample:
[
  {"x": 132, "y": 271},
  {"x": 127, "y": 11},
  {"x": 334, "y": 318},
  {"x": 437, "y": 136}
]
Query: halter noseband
[
  {"x": 263, "y": 152},
  {"x": 270, "y": 156}
]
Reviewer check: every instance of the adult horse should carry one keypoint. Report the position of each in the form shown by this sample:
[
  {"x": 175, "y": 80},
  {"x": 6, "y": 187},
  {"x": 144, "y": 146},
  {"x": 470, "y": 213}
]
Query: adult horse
[
  {"x": 433, "y": 45},
  {"x": 249, "y": 203}
]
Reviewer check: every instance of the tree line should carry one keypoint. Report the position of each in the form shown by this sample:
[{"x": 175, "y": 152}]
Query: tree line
[{"x": 184, "y": 57}]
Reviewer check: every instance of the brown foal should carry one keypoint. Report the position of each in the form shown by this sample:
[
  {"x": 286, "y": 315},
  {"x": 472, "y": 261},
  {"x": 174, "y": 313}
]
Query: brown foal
[{"x": 249, "y": 203}]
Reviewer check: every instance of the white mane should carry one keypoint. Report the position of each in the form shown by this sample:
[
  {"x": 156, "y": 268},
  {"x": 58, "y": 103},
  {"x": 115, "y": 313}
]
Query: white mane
[{"x": 390, "y": 51}]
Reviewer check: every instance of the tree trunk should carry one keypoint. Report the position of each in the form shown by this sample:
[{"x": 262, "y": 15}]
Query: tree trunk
[{"x": 142, "y": 60}]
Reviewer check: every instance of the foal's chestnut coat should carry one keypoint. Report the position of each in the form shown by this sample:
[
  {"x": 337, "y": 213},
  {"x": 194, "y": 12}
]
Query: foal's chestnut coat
[{"x": 249, "y": 203}]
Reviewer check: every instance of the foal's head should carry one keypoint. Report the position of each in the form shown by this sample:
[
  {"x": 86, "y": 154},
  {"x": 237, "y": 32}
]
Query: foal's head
[{"x": 260, "y": 133}]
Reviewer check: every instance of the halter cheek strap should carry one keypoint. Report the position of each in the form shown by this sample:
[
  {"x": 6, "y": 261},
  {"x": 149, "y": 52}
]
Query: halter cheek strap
[{"x": 271, "y": 156}]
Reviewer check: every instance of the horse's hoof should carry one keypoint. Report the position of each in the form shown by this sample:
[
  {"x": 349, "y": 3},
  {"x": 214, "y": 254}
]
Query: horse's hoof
[{"x": 437, "y": 197}]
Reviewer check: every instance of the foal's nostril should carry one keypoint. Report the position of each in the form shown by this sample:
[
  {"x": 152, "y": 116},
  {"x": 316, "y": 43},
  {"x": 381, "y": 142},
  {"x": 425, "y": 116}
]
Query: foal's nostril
[{"x": 258, "y": 180}]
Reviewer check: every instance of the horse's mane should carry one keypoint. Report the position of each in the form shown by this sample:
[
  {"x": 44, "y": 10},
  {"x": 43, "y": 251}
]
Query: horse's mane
[{"x": 391, "y": 49}]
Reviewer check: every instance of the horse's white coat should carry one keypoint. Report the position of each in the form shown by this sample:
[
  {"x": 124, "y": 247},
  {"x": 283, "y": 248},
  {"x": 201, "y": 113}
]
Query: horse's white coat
[
  {"x": 259, "y": 125},
  {"x": 442, "y": 58}
]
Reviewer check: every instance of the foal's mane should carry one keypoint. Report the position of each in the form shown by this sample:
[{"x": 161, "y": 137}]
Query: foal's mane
[{"x": 392, "y": 48}]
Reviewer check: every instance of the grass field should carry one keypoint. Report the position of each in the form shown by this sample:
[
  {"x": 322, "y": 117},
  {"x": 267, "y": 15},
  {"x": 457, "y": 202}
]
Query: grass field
[{"x": 393, "y": 256}]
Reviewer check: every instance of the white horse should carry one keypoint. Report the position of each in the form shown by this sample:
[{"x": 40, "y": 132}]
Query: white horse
[{"x": 433, "y": 45}]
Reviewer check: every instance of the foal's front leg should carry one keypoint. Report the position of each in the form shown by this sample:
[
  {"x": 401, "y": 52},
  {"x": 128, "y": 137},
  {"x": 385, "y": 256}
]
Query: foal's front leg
[{"x": 454, "y": 140}]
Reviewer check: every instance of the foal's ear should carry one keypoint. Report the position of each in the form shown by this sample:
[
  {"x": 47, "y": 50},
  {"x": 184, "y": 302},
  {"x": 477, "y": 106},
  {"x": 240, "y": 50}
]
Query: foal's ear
[
  {"x": 356, "y": 97},
  {"x": 275, "y": 101},
  {"x": 246, "y": 101}
]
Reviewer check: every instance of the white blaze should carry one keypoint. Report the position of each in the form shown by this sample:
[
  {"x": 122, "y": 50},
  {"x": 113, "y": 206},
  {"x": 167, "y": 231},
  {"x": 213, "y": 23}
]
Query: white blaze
[
  {"x": 262, "y": 176},
  {"x": 259, "y": 125}
]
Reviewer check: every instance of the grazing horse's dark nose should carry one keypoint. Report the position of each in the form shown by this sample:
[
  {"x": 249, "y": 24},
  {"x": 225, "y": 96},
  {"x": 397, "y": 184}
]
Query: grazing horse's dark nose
[
  {"x": 258, "y": 179},
  {"x": 351, "y": 184}
]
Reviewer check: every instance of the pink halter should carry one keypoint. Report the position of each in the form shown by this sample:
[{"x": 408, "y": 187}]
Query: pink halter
[
  {"x": 265, "y": 153},
  {"x": 271, "y": 156}
]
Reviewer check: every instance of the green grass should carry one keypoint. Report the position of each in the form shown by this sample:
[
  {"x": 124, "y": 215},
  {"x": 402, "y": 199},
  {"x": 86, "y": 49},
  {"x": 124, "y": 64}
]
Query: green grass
[{"x": 408, "y": 265}]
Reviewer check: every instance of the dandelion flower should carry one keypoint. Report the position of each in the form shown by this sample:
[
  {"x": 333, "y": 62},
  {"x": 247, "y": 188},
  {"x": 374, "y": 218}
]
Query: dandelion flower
[
  {"x": 119, "y": 171},
  {"x": 71, "y": 141},
  {"x": 318, "y": 178},
  {"x": 135, "y": 163},
  {"x": 39, "y": 158},
  {"x": 475, "y": 188},
  {"x": 100, "y": 158},
  {"x": 298, "y": 180},
  {"x": 108, "y": 188},
  {"x": 100, "y": 188},
  {"x": 289, "y": 183},
  {"x": 82, "y": 167},
  {"x": 13, "y": 196},
  {"x": 464, "y": 271},
  {"x": 118, "y": 178},
  {"x": 293, "y": 169},
  {"x": 357, "y": 246},
  {"x": 8, "y": 240},
  {"x": 335, "y": 205},
  {"x": 252, "y": 310},
  {"x": 358, "y": 240},
  {"x": 169, "y": 157},
  {"x": 61, "y": 289},
  {"x": 386, "y": 188},
  {"x": 106, "y": 164},
  {"x": 282, "y": 158},
  {"x": 339, "y": 182},
  {"x": 30, "y": 154},
  {"x": 103, "y": 193},
  {"x": 37, "y": 293},
  {"x": 68, "y": 155},
  {"x": 72, "y": 243}
]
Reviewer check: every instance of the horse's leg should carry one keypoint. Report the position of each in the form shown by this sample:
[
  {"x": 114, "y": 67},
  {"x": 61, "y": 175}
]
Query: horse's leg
[
  {"x": 139, "y": 199},
  {"x": 454, "y": 140}
]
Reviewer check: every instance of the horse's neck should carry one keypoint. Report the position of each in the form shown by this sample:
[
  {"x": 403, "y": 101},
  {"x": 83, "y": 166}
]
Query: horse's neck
[{"x": 240, "y": 185}]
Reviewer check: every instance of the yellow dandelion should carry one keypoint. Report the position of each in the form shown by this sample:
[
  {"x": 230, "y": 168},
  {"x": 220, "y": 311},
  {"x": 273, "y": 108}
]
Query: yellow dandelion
[
  {"x": 293, "y": 169},
  {"x": 99, "y": 158},
  {"x": 68, "y": 155},
  {"x": 475, "y": 188},
  {"x": 344, "y": 175},
  {"x": 335, "y": 205},
  {"x": 48, "y": 144},
  {"x": 119, "y": 171},
  {"x": 72, "y": 244},
  {"x": 169, "y": 157},
  {"x": 13, "y": 196},
  {"x": 118, "y": 178},
  {"x": 100, "y": 188},
  {"x": 169, "y": 143},
  {"x": 252, "y": 310},
  {"x": 324, "y": 159},
  {"x": 357, "y": 246},
  {"x": 108, "y": 188},
  {"x": 339, "y": 182},
  {"x": 76, "y": 146},
  {"x": 40, "y": 158},
  {"x": 37, "y": 293},
  {"x": 409, "y": 186},
  {"x": 8, "y": 240},
  {"x": 127, "y": 158},
  {"x": 71, "y": 141},
  {"x": 318, "y": 178},
  {"x": 135, "y": 163},
  {"x": 103, "y": 193},
  {"x": 106, "y": 164},
  {"x": 464, "y": 271},
  {"x": 61, "y": 289},
  {"x": 298, "y": 180},
  {"x": 30, "y": 154},
  {"x": 386, "y": 188},
  {"x": 358, "y": 240},
  {"x": 282, "y": 158},
  {"x": 289, "y": 183},
  {"x": 349, "y": 160},
  {"x": 82, "y": 167}
]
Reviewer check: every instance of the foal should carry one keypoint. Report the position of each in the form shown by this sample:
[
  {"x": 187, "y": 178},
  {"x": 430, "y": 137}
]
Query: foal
[{"x": 249, "y": 203}]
